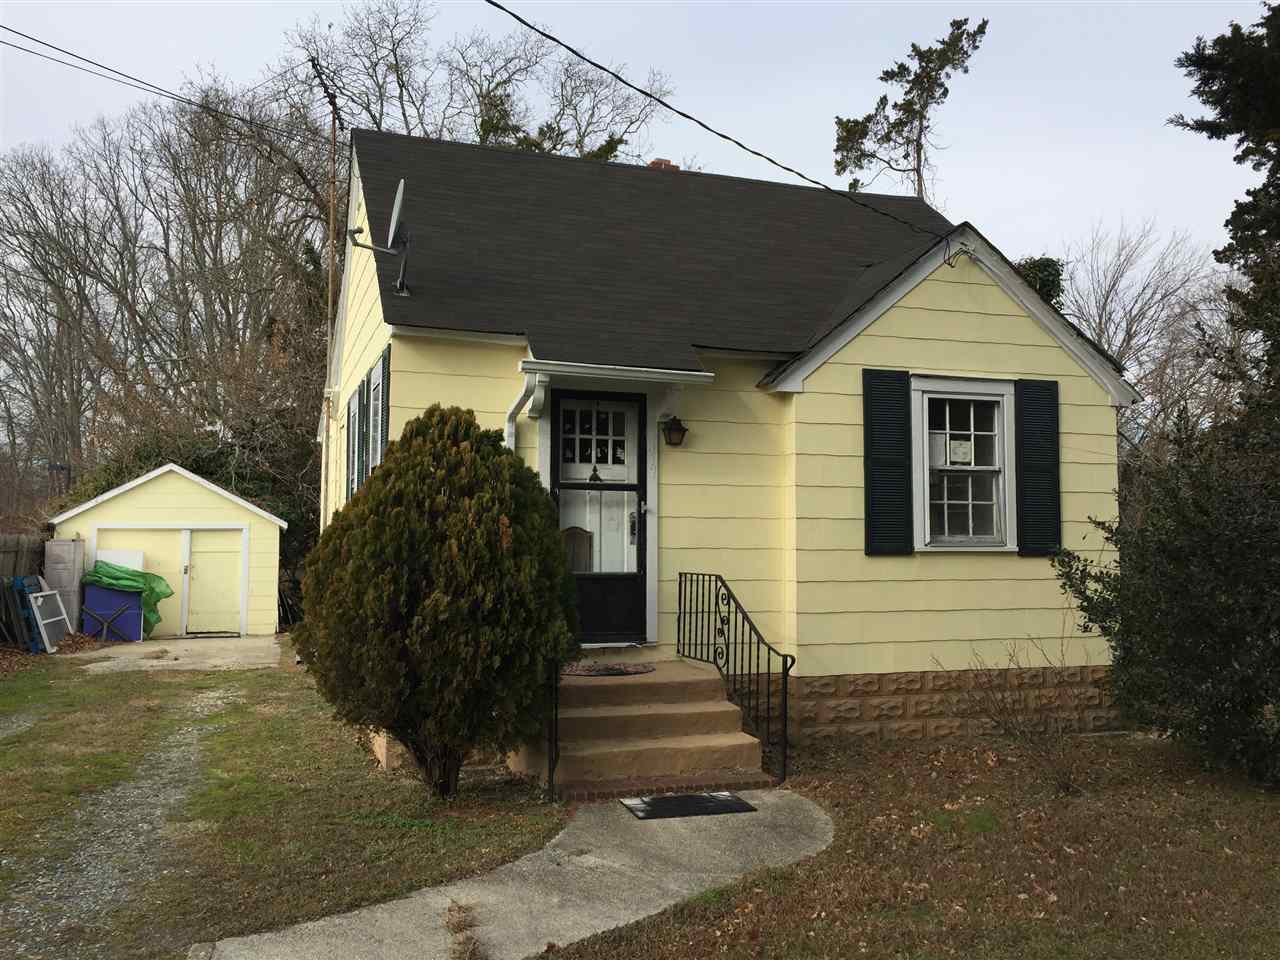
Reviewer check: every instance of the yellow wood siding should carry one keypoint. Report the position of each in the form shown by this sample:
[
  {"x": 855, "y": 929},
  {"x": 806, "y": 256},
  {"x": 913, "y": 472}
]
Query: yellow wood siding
[
  {"x": 175, "y": 502},
  {"x": 767, "y": 489},
  {"x": 363, "y": 338},
  {"x": 859, "y": 614},
  {"x": 723, "y": 497},
  {"x": 482, "y": 377}
]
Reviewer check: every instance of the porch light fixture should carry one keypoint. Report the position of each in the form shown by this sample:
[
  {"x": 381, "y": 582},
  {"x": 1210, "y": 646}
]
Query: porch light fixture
[{"x": 673, "y": 431}]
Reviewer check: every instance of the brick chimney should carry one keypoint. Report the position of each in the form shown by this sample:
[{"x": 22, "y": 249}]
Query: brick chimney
[{"x": 661, "y": 164}]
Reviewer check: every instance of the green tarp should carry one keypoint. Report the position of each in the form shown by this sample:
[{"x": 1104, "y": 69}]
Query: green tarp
[{"x": 153, "y": 588}]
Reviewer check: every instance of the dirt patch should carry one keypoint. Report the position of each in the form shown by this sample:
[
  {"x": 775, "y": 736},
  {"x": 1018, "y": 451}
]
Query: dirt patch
[
  {"x": 14, "y": 661},
  {"x": 115, "y": 839}
]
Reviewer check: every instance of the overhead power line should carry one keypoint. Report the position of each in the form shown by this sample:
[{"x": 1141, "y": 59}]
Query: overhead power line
[
  {"x": 710, "y": 129},
  {"x": 137, "y": 83},
  {"x": 76, "y": 66},
  {"x": 276, "y": 76}
]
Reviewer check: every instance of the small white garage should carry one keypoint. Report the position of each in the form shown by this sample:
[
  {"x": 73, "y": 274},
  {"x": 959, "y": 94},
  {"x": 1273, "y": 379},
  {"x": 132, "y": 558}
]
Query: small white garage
[{"x": 219, "y": 553}]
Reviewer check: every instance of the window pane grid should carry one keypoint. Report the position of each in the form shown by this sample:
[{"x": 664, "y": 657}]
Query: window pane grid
[
  {"x": 592, "y": 436},
  {"x": 964, "y": 492}
]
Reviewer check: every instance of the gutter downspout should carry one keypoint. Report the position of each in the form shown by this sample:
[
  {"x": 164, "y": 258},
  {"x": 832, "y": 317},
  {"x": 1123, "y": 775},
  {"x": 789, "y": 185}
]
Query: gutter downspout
[{"x": 509, "y": 432}]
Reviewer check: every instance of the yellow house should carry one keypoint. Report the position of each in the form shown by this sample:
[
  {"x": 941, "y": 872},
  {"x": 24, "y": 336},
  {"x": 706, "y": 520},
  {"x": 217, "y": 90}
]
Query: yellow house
[
  {"x": 218, "y": 552},
  {"x": 853, "y": 416}
]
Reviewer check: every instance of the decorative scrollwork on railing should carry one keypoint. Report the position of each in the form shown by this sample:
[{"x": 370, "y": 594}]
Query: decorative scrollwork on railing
[{"x": 712, "y": 626}]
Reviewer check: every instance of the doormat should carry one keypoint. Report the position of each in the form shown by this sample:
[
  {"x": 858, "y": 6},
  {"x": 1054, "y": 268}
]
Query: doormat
[
  {"x": 606, "y": 669},
  {"x": 669, "y": 805}
]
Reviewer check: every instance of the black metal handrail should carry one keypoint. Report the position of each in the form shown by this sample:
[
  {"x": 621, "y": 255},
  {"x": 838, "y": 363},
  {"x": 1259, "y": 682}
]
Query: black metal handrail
[
  {"x": 713, "y": 627},
  {"x": 553, "y": 725}
]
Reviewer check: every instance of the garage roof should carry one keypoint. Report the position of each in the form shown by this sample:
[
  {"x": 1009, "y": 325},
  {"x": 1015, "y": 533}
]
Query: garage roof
[{"x": 169, "y": 468}]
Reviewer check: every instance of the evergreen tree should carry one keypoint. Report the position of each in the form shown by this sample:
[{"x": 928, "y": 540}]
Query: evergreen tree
[
  {"x": 1044, "y": 275},
  {"x": 898, "y": 136},
  {"x": 1192, "y": 608},
  {"x": 1237, "y": 77},
  {"x": 438, "y": 600}
]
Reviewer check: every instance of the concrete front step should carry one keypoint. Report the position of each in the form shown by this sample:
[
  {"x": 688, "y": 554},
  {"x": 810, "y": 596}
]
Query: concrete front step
[
  {"x": 673, "y": 681},
  {"x": 656, "y": 757},
  {"x": 630, "y": 721},
  {"x": 707, "y": 780}
]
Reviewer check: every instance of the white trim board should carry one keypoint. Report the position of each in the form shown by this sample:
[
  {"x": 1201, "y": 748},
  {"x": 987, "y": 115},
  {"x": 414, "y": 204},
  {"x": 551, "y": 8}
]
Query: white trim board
[
  {"x": 160, "y": 471},
  {"x": 966, "y": 241},
  {"x": 470, "y": 336},
  {"x": 609, "y": 371}
]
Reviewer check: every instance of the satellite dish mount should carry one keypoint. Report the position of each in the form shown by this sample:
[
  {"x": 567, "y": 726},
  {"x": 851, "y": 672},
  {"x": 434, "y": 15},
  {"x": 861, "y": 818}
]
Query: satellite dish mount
[{"x": 397, "y": 240}]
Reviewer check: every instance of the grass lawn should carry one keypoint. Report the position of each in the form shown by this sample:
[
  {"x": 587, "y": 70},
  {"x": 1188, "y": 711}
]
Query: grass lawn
[
  {"x": 274, "y": 813},
  {"x": 960, "y": 852}
]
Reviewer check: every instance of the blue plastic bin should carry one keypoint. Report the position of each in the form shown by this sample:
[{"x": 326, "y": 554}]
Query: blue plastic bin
[{"x": 105, "y": 602}]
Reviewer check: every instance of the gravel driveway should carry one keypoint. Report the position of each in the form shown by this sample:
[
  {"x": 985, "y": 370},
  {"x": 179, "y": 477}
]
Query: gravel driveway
[{"x": 115, "y": 840}]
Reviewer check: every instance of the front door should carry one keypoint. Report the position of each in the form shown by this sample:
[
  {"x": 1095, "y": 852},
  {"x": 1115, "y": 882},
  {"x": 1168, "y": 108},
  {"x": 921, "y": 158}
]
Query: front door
[{"x": 598, "y": 480}]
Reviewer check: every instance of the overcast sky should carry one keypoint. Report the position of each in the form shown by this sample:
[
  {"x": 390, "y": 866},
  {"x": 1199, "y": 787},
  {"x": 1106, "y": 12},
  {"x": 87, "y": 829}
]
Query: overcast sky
[{"x": 1059, "y": 124}]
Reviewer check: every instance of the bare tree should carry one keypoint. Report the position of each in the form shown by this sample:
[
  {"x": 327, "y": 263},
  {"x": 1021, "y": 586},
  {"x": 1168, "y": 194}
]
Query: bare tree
[
  {"x": 1156, "y": 304},
  {"x": 513, "y": 89},
  {"x": 163, "y": 270}
]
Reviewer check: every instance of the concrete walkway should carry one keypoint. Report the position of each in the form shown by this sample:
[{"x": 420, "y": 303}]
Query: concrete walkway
[
  {"x": 604, "y": 870},
  {"x": 184, "y": 653}
]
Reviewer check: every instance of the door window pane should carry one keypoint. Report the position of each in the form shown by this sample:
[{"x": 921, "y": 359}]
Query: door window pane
[
  {"x": 602, "y": 450},
  {"x": 584, "y": 422},
  {"x": 602, "y": 423},
  {"x": 600, "y": 529},
  {"x": 568, "y": 420},
  {"x": 584, "y": 450},
  {"x": 619, "y": 451},
  {"x": 568, "y": 445},
  {"x": 619, "y": 423}
]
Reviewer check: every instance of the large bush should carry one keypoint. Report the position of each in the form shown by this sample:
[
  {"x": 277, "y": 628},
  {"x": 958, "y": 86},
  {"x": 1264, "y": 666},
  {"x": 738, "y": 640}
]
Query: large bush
[
  {"x": 1192, "y": 608},
  {"x": 438, "y": 597}
]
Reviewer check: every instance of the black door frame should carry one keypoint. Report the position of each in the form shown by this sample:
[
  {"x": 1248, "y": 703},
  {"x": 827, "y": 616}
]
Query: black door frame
[{"x": 640, "y": 488}]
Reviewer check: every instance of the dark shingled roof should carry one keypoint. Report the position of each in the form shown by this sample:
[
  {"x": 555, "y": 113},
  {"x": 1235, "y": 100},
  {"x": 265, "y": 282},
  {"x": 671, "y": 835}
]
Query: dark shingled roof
[{"x": 617, "y": 264}]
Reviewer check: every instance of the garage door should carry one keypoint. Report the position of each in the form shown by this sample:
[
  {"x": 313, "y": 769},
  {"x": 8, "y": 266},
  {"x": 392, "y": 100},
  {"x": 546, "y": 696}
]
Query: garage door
[
  {"x": 214, "y": 604},
  {"x": 161, "y": 554}
]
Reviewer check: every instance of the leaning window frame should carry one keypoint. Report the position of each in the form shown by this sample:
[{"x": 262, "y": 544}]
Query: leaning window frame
[{"x": 954, "y": 388}]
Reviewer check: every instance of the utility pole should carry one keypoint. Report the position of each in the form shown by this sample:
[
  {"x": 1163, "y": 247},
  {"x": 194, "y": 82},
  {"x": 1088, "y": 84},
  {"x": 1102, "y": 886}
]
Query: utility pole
[{"x": 335, "y": 121}]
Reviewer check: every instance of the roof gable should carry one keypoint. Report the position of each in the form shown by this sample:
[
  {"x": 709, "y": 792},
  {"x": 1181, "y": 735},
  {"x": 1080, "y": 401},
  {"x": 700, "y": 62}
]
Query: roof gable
[
  {"x": 870, "y": 302},
  {"x": 160, "y": 471}
]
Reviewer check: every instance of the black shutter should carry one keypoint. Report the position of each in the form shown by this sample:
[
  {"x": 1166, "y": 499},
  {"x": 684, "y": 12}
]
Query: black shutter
[
  {"x": 363, "y": 453},
  {"x": 352, "y": 439},
  {"x": 886, "y": 431},
  {"x": 1039, "y": 485},
  {"x": 386, "y": 397}
]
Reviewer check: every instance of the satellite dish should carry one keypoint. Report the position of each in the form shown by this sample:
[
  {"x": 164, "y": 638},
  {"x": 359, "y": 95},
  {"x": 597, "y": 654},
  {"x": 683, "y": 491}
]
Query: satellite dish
[{"x": 395, "y": 215}]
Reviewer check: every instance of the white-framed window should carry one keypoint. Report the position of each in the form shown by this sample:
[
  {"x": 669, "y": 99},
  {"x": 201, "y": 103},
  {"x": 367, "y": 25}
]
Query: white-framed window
[
  {"x": 375, "y": 415},
  {"x": 962, "y": 459}
]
